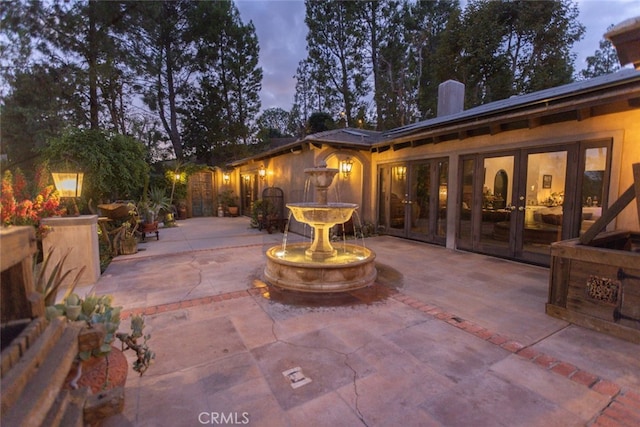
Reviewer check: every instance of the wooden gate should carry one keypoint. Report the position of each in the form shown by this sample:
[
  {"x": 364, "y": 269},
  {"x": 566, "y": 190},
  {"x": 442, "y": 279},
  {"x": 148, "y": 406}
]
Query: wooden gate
[{"x": 201, "y": 191}]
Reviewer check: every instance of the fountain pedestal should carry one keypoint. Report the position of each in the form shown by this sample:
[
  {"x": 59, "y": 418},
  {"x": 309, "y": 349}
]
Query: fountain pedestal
[{"x": 321, "y": 248}]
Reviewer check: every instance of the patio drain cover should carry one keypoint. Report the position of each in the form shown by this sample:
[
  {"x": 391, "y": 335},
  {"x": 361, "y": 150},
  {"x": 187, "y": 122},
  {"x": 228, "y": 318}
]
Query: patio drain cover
[{"x": 297, "y": 378}]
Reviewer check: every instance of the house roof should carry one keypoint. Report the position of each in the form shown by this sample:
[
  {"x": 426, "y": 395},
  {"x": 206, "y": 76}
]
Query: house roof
[
  {"x": 357, "y": 138},
  {"x": 531, "y": 108},
  {"x": 573, "y": 101}
]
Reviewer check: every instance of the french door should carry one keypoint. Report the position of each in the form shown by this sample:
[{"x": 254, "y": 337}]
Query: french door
[
  {"x": 248, "y": 192},
  {"x": 413, "y": 199},
  {"x": 514, "y": 204}
]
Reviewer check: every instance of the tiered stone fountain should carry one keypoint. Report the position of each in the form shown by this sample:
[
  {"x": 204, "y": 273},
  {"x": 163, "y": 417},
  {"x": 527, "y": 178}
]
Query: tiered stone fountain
[{"x": 319, "y": 266}]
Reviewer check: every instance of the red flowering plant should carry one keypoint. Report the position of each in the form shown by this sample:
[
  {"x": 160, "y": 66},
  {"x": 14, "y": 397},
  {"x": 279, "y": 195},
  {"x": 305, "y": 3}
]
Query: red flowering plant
[{"x": 18, "y": 207}]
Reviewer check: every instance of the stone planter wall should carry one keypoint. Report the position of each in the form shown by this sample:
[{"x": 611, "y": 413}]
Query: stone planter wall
[{"x": 80, "y": 235}]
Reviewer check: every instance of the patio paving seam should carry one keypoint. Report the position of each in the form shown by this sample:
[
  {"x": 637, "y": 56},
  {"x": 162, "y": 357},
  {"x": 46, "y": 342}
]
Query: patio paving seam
[
  {"x": 354, "y": 382},
  {"x": 623, "y": 408}
]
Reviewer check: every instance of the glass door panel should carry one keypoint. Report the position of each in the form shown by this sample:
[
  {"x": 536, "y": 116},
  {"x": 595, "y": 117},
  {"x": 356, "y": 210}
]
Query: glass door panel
[
  {"x": 417, "y": 197},
  {"x": 497, "y": 191},
  {"x": 441, "y": 219},
  {"x": 593, "y": 186},
  {"x": 383, "y": 196},
  {"x": 397, "y": 202},
  {"x": 544, "y": 208},
  {"x": 467, "y": 201},
  {"x": 420, "y": 197}
]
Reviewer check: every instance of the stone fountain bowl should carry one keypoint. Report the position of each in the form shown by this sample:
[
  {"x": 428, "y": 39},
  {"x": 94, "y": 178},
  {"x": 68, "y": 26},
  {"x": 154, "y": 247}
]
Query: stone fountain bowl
[
  {"x": 322, "y": 214},
  {"x": 321, "y": 177},
  {"x": 353, "y": 268}
]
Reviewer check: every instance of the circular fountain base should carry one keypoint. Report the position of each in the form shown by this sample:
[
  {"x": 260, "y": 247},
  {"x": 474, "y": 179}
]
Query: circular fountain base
[{"x": 352, "y": 268}]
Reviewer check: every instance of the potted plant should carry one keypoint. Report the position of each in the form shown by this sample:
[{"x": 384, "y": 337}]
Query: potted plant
[
  {"x": 155, "y": 202},
  {"x": 257, "y": 213},
  {"x": 99, "y": 365},
  {"x": 229, "y": 202}
]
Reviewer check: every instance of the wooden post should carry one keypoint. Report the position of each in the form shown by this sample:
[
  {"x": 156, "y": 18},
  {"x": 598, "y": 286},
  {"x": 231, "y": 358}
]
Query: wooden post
[
  {"x": 19, "y": 298},
  {"x": 616, "y": 208}
]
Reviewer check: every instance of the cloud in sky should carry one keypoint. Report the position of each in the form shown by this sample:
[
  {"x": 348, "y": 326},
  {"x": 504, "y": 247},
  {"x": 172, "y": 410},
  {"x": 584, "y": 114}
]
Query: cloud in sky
[{"x": 282, "y": 35}]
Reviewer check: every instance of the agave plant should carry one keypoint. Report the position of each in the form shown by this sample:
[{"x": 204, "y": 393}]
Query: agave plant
[
  {"x": 49, "y": 284},
  {"x": 155, "y": 201}
]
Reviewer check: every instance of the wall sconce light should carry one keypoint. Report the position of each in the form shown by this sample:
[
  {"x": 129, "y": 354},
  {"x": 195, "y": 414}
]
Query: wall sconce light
[
  {"x": 400, "y": 172},
  {"x": 226, "y": 177},
  {"x": 262, "y": 172},
  {"x": 345, "y": 167},
  {"x": 69, "y": 185}
]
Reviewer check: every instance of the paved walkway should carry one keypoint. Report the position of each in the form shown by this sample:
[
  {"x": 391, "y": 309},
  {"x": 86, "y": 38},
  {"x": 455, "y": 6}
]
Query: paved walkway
[{"x": 444, "y": 338}]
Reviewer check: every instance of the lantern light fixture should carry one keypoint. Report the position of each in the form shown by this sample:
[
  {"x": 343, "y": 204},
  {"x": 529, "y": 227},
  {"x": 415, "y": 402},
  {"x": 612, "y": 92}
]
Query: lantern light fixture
[
  {"x": 262, "y": 172},
  {"x": 226, "y": 177},
  {"x": 346, "y": 166},
  {"x": 68, "y": 184}
]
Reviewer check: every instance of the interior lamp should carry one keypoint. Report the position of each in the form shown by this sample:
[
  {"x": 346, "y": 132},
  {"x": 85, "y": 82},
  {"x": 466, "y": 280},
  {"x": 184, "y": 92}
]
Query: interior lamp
[{"x": 400, "y": 172}]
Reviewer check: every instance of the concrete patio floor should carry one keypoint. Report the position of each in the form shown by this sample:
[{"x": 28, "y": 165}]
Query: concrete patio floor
[{"x": 444, "y": 338}]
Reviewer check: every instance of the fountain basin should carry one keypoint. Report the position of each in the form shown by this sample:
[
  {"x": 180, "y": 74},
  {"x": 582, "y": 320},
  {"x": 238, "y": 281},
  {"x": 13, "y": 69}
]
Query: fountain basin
[
  {"x": 317, "y": 214},
  {"x": 352, "y": 268}
]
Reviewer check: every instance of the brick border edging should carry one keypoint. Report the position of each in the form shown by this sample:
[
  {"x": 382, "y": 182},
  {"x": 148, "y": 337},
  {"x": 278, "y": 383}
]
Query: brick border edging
[
  {"x": 163, "y": 308},
  {"x": 623, "y": 408},
  {"x": 124, "y": 258}
]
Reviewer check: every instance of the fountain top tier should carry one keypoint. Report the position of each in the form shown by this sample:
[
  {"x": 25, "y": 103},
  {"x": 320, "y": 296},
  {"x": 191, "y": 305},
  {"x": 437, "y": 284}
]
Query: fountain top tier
[{"x": 321, "y": 177}]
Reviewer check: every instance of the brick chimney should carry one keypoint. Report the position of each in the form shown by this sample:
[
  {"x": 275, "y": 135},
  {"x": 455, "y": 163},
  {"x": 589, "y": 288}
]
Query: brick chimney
[{"x": 450, "y": 98}]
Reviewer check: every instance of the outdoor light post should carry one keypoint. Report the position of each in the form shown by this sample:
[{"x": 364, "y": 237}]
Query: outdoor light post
[
  {"x": 176, "y": 178},
  {"x": 69, "y": 186},
  {"x": 75, "y": 234}
]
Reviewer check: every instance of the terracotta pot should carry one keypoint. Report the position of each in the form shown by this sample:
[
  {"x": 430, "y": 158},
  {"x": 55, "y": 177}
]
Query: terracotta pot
[
  {"x": 94, "y": 372},
  {"x": 149, "y": 227}
]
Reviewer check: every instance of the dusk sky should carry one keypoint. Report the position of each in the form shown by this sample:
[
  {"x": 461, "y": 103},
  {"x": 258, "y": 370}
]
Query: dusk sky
[{"x": 282, "y": 36}]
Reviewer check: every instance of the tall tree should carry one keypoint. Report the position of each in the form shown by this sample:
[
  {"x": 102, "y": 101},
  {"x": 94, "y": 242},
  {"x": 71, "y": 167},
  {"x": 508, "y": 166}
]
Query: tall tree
[
  {"x": 425, "y": 25},
  {"x": 313, "y": 93},
  {"x": 77, "y": 38},
  {"x": 275, "y": 121},
  {"x": 515, "y": 47},
  {"x": 396, "y": 93},
  {"x": 603, "y": 61},
  {"x": 336, "y": 46},
  {"x": 225, "y": 101},
  {"x": 29, "y": 118},
  {"x": 165, "y": 58}
]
